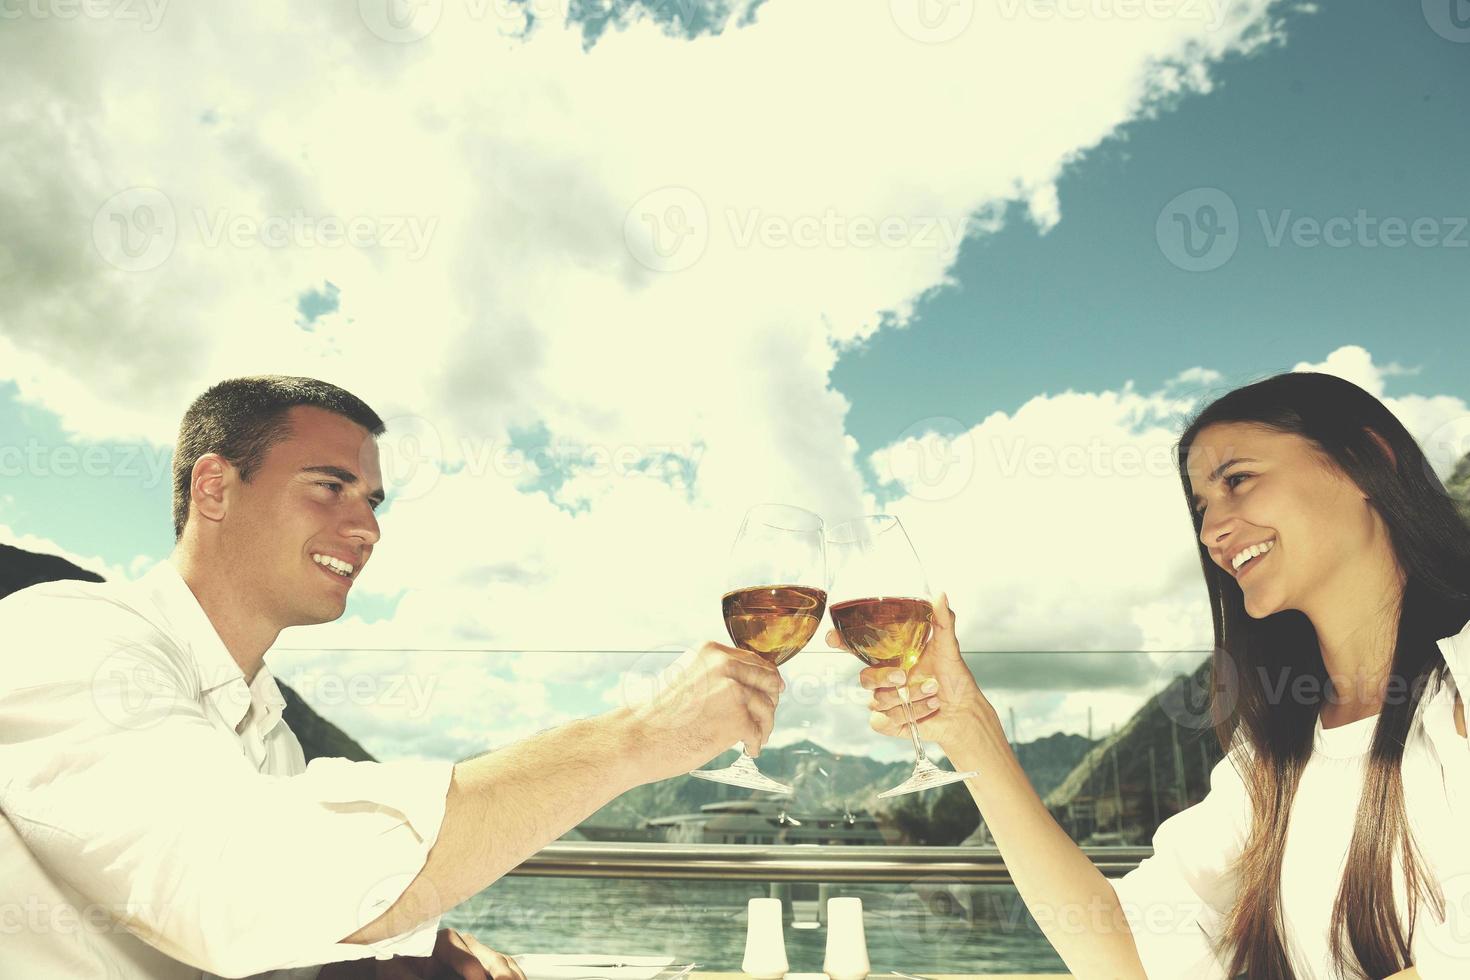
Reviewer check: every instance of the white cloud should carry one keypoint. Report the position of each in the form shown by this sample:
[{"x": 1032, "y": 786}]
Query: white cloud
[
  {"x": 520, "y": 162},
  {"x": 1063, "y": 526},
  {"x": 1352, "y": 363},
  {"x": 513, "y": 189},
  {"x": 1195, "y": 377},
  {"x": 1440, "y": 423},
  {"x": 1071, "y": 518},
  {"x": 421, "y": 705}
]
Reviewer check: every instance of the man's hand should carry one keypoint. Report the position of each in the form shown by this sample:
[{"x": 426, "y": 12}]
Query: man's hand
[
  {"x": 456, "y": 954},
  {"x": 710, "y": 698},
  {"x": 942, "y": 690}
]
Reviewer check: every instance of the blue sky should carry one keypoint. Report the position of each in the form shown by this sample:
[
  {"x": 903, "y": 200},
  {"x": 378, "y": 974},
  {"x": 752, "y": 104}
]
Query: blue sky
[
  {"x": 1363, "y": 107},
  {"x": 1181, "y": 237}
]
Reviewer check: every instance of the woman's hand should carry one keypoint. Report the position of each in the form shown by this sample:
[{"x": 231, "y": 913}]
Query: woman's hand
[{"x": 947, "y": 702}]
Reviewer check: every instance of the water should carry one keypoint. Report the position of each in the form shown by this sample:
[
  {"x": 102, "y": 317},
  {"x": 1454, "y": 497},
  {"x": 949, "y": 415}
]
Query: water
[{"x": 932, "y": 925}]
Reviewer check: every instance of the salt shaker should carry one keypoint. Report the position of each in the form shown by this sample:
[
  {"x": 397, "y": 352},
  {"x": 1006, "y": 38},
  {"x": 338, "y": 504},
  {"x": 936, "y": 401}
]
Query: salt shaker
[
  {"x": 847, "y": 945},
  {"x": 765, "y": 941}
]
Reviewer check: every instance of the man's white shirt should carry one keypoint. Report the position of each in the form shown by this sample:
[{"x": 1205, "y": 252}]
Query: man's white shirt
[{"x": 159, "y": 818}]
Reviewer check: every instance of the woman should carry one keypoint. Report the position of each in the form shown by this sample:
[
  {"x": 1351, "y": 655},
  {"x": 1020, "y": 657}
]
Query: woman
[{"x": 1341, "y": 649}]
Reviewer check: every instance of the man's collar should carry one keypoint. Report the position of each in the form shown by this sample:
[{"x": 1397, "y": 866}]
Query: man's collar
[{"x": 219, "y": 675}]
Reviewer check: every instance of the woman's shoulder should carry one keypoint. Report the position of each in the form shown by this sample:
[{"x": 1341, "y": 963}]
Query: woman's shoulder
[
  {"x": 1224, "y": 812},
  {"x": 1237, "y": 762}
]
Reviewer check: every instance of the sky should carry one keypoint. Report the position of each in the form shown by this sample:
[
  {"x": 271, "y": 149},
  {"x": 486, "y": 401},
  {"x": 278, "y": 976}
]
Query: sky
[{"x": 613, "y": 273}]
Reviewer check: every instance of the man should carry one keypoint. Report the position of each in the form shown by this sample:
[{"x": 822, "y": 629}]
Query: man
[{"x": 160, "y": 819}]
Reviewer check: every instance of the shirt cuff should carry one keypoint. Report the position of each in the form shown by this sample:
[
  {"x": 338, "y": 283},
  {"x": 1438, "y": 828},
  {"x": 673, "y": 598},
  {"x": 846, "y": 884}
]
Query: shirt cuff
[
  {"x": 418, "y": 792},
  {"x": 419, "y": 942}
]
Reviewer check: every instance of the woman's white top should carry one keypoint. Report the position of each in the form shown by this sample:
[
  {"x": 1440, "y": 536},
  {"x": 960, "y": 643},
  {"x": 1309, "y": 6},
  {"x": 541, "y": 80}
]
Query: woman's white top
[{"x": 1179, "y": 897}]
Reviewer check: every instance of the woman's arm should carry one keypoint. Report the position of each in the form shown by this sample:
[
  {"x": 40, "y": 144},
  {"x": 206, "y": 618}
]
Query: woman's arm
[
  {"x": 1068, "y": 897},
  {"x": 1409, "y": 974}
]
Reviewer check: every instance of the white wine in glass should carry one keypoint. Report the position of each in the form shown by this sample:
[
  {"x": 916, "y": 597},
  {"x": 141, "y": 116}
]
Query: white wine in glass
[
  {"x": 777, "y": 579},
  {"x": 884, "y": 616}
]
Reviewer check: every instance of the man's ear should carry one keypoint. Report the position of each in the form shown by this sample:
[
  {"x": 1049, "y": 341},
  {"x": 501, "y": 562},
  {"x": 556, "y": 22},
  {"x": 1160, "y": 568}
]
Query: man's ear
[{"x": 212, "y": 473}]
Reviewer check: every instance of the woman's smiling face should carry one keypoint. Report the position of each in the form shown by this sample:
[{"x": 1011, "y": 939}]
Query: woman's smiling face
[{"x": 1256, "y": 486}]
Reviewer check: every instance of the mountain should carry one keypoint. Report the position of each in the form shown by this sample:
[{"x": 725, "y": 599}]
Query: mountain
[
  {"x": 1458, "y": 486},
  {"x": 21, "y": 569},
  {"x": 1049, "y": 760},
  {"x": 1148, "y": 770},
  {"x": 823, "y": 782},
  {"x": 831, "y": 784},
  {"x": 319, "y": 738}
]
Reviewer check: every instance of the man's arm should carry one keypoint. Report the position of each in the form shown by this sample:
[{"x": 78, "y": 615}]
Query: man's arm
[
  {"x": 503, "y": 807},
  {"x": 235, "y": 872}
]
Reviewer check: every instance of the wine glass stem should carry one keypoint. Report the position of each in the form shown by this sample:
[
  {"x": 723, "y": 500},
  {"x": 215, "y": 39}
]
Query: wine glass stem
[{"x": 908, "y": 711}]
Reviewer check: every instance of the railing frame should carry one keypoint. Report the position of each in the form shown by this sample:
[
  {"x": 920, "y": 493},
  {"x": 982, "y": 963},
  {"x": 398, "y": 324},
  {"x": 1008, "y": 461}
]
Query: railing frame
[{"x": 794, "y": 862}]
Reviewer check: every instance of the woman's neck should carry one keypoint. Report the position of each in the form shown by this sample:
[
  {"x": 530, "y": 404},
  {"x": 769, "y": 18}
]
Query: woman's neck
[{"x": 1357, "y": 626}]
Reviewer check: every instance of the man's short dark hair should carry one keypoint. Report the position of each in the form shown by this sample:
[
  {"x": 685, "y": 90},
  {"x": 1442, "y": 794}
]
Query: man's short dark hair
[{"x": 242, "y": 418}]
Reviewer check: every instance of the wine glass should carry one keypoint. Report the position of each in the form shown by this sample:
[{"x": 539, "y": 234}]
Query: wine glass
[
  {"x": 884, "y": 616},
  {"x": 777, "y": 589}
]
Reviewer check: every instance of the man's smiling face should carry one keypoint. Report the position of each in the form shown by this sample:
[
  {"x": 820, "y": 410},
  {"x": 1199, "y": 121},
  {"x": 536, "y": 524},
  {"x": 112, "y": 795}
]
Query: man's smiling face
[{"x": 314, "y": 495}]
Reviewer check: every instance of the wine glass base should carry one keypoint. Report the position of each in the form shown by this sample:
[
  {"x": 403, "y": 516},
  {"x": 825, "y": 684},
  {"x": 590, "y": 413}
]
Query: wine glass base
[
  {"x": 742, "y": 772},
  {"x": 926, "y": 776}
]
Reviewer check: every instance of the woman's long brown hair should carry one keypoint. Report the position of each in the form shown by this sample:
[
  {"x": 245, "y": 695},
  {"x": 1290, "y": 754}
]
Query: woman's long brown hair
[{"x": 1256, "y": 661}]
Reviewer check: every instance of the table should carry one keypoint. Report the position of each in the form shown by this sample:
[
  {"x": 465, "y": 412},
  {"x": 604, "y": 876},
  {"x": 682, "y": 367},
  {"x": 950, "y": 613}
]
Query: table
[{"x": 697, "y": 975}]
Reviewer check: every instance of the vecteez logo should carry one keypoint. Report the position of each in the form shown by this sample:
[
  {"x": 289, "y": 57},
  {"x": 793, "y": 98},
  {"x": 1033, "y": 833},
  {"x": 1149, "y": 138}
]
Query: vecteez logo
[{"x": 1199, "y": 230}]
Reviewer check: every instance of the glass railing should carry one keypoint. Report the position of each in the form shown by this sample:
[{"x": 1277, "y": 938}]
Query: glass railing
[
  {"x": 1113, "y": 741},
  {"x": 733, "y": 862}
]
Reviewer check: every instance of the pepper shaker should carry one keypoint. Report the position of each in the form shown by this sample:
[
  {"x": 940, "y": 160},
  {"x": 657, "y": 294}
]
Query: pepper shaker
[
  {"x": 847, "y": 945},
  {"x": 765, "y": 940}
]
